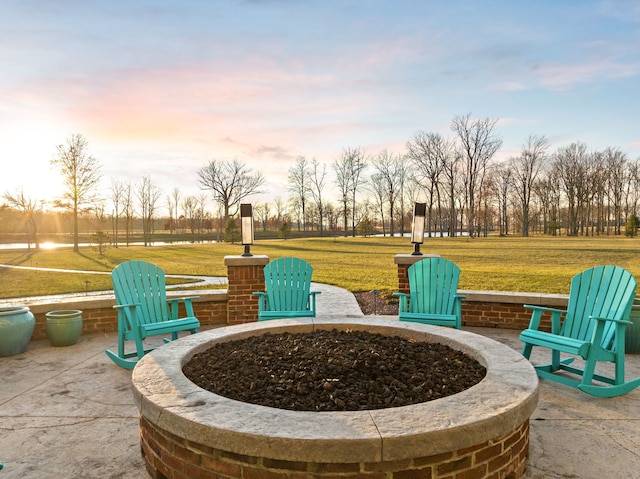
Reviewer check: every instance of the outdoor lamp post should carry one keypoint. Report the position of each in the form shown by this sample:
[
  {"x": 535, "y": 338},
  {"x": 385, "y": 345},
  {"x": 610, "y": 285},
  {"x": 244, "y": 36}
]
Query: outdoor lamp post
[
  {"x": 246, "y": 227},
  {"x": 417, "y": 228}
]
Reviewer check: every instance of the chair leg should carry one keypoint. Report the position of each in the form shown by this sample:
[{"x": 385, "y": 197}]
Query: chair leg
[
  {"x": 139, "y": 347},
  {"x": 121, "y": 352},
  {"x": 555, "y": 360},
  {"x": 619, "y": 367},
  {"x": 588, "y": 372},
  {"x": 526, "y": 350}
]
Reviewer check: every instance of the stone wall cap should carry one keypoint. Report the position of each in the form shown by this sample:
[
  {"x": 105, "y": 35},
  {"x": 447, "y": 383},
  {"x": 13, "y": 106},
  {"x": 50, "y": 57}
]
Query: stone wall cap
[
  {"x": 412, "y": 258},
  {"x": 238, "y": 260}
]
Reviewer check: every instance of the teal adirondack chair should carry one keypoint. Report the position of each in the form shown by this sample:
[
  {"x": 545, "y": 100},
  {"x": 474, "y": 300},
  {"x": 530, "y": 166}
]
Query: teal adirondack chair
[
  {"x": 287, "y": 290},
  {"x": 433, "y": 294},
  {"x": 593, "y": 328},
  {"x": 144, "y": 310}
]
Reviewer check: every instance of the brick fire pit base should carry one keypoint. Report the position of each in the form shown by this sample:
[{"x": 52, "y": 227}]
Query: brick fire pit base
[{"x": 483, "y": 432}]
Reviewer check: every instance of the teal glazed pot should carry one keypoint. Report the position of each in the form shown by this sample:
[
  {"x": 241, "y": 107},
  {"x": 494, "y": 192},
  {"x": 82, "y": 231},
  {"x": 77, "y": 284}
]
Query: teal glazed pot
[
  {"x": 16, "y": 328},
  {"x": 632, "y": 333},
  {"x": 64, "y": 327}
]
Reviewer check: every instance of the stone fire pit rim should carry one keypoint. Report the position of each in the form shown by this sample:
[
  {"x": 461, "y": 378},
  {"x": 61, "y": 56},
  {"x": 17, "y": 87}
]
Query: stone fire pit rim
[{"x": 501, "y": 402}]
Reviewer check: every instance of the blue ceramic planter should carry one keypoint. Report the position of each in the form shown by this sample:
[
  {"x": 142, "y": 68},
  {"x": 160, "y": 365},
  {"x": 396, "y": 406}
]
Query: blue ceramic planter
[{"x": 16, "y": 328}]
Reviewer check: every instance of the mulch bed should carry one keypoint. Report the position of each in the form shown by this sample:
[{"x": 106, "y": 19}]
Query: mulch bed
[
  {"x": 333, "y": 370},
  {"x": 377, "y": 302}
]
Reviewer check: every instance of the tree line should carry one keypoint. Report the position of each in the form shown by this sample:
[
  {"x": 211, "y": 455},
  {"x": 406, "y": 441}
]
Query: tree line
[{"x": 572, "y": 191}]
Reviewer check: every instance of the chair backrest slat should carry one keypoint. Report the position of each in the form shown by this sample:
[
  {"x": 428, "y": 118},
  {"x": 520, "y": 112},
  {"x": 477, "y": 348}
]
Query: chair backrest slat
[
  {"x": 433, "y": 284},
  {"x": 287, "y": 284},
  {"x": 602, "y": 291},
  {"x": 143, "y": 283}
]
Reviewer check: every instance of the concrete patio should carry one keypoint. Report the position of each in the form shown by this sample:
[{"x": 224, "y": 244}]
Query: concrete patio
[{"x": 69, "y": 413}]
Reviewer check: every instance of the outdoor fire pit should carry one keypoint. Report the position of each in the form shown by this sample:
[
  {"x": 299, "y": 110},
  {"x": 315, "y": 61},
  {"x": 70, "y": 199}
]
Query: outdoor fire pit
[{"x": 480, "y": 432}]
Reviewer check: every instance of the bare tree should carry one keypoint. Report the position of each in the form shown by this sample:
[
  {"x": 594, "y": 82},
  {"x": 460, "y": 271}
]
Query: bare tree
[
  {"x": 500, "y": 182},
  {"x": 632, "y": 196},
  {"x": 378, "y": 189},
  {"x": 451, "y": 181},
  {"x": 526, "y": 169},
  {"x": 300, "y": 187},
  {"x": 478, "y": 144},
  {"x": 81, "y": 173},
  {"x": 173, "y": 202},
  {"x": 318, "y": 176},
  {"x": 100, "y": 239},
  {"x": 595, "y": 210},
  {"x": 615, "y": 164},
  {"x": 389, "y": 168},
  {"x": 332, "y": 218},
  {"x": 405, "y": 172},
  {"x": 128, "y": 210},
  {"x": 281, "y": 208},
  {"x": 349, "y": 168},
  {"x": 430, "y": 154},
  {"x": 148, "y": 195},
  {"x": 117, "y": 198},
  {"x": 262, "y": 213},
  {"x": 202, "y": 206},
  {"x": 572, "y": 166},
  {"x": 547, "y": 191},
  {"x": 30, "y": 209},
  {"x": 341, "y": 168},
  {"x": 189, "y": 210},
  {"x": 230, "y": 182}
]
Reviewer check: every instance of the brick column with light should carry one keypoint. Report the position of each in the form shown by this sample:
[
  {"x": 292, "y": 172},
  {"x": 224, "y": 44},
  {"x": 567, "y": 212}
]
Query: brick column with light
[{"x": 245, "y": 275}]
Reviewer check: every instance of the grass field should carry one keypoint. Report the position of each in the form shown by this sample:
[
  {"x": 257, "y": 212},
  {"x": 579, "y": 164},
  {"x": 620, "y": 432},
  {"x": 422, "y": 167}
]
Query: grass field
[{"x": 537, "y": 264}]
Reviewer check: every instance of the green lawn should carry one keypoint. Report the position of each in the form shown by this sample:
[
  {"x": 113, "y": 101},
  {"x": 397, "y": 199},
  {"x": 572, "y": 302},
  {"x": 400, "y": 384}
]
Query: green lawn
[{"x": 538, "y": 264}]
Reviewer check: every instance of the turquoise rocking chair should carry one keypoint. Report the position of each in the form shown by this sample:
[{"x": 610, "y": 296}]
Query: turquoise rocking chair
[
  {"x": 592, "y": 328},
  {"x": 144, "y": 311},
  {"x": 433, "y": 294},
  {"x": 287, "y": 290}
]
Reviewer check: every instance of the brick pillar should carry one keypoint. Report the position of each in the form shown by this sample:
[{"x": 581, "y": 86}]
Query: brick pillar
[
  {"x": 245, "y": 275},
  {"x": 404, "y": 261}
]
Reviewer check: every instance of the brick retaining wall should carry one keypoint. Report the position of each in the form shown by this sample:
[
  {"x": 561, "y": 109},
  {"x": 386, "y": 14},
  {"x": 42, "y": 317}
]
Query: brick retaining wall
[
  {"x": 487, "y": 309},
  {"x": 245, "y": 275},
  {"x": 168, "y": 456}
]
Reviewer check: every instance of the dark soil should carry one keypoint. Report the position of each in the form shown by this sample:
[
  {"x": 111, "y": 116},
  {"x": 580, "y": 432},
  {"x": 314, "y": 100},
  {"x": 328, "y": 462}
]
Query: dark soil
[
  {"x": 333, "y": 371},
  {"x": 377, "y": 302}
]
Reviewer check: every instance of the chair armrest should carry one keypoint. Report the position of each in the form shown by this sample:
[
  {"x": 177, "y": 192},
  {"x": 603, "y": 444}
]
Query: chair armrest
[
  {"x": 312, "y": 300},
  {"x": 613, "y": 320},
  {"x": 597, "y": 336},
  {"x": 536, "y": 316},
  {"x": 128, "y": 305},
  {"x": 262, "y": 296},
  {"x": 174, "y": 302},
  {"x": 129, "y": 314},
  {"x": 183, "y": 298},
  {"x": 403, "y": 307}
]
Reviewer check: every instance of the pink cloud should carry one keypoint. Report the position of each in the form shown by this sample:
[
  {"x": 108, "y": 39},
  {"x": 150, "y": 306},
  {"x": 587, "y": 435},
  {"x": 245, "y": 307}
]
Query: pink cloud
[{"x": 563, "y": 76}]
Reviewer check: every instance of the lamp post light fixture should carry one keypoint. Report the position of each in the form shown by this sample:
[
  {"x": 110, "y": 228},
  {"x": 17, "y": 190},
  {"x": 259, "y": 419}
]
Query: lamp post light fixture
[
  {"x": 246, "y": 227},
  {"x": 417, "y": 228}
]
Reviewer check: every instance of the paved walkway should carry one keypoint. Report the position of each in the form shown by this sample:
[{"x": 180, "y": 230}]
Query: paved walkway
[{"x": 68, "y": 413}]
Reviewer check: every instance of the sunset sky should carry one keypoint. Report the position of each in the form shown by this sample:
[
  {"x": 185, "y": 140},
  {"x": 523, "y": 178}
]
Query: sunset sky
[{"x": 159, "y": 88}]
